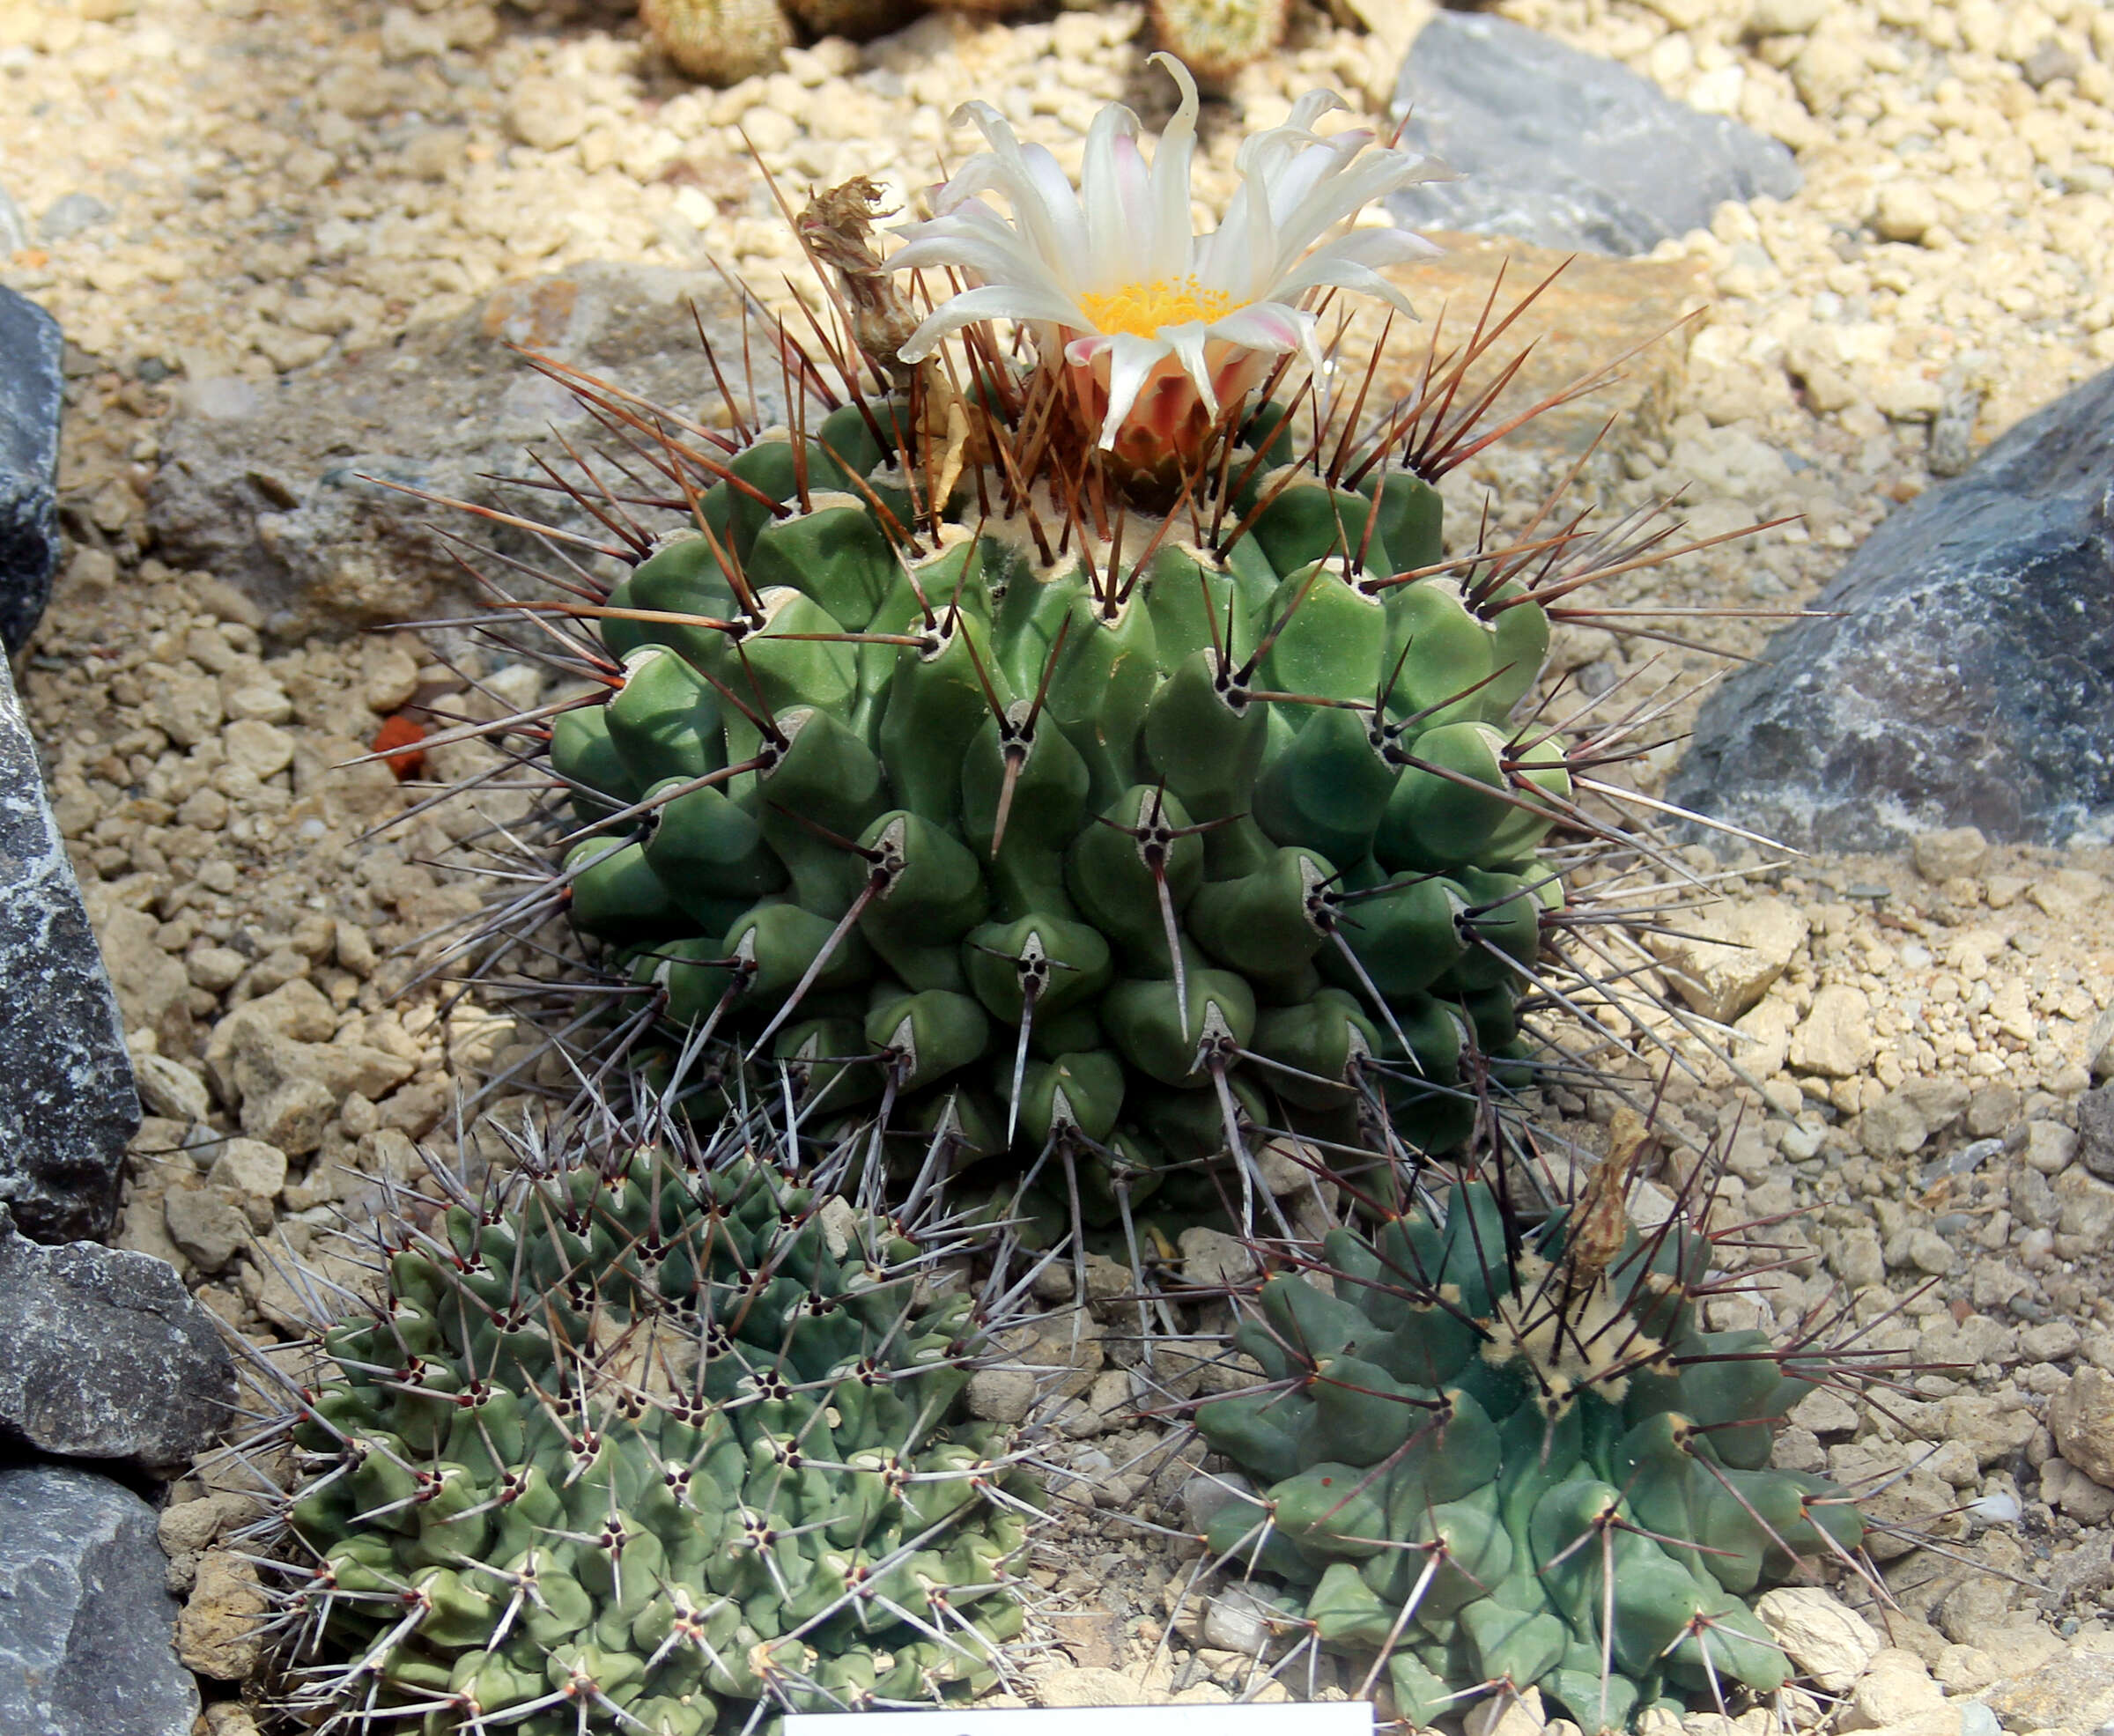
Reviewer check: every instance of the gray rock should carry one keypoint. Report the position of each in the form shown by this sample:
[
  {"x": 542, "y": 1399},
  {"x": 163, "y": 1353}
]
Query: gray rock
[
  {"x": 14, "y": 233},
  {"x": 85, "y": 1624},
  {"x": 68, "y": 215},
  {"x": 263, "y": 486},
  {"x": 107, "y": 1356},
  {"x": 30, "y": 388},
  {"x": 67, "y": 1105},
  {"x": 1564, "y": 149},
  {"x": 1205, "y": 1495},
  {"x": 1967, "y": 677},
  {"x": 2095, "y": 1130},
  {"x": 1236, "y": 1619}
]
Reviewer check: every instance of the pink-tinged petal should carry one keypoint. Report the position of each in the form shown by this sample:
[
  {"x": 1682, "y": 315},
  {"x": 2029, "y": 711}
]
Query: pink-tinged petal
[
  {"x": 1344, "y": 195},
  {"x": 1322, "y": 272},
  {"x": 1351, "y": 260},
  {"x": 1081, "y": 351},
  {"x": 1110, "y": 168},
  {"x": 1188, "y": 344},
  {"x": 992, "y": 301},
  {"x": 1131, "y": 361},
  {"x": 1265, "y": 325},
  {"x": 1168, "y": 253}
]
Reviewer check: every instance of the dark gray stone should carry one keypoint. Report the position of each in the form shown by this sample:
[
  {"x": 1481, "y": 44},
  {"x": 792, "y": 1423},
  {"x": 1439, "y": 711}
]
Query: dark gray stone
[
  {"x": 1969, "y": 679},
  {"x": 107, "y": 1356},
  {"x": 2095, "y": 1130},
  {"x": 32, "y": 391},
  {"x": 86, "y": 1627},
  {"x": 67, "y": 1105},
  {"x": 1564, "y": 149},
  {"x": 264, "y": 484}
]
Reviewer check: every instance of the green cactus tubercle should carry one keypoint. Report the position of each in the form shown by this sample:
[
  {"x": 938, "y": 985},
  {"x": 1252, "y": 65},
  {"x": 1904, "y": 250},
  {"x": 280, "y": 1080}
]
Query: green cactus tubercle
[
  {"x": 652, "y": 1444},
  {"x": 1240, "y": 836},
  {"x": 1482, "y": 1466}
]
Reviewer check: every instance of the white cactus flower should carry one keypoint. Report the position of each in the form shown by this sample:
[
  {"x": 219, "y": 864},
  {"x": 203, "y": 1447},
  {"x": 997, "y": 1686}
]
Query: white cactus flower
[{"x": 1152, "y": 326}]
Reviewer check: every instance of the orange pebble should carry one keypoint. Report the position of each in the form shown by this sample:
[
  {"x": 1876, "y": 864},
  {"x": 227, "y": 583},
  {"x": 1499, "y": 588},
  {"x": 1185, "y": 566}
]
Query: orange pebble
[{"x": 401, "y": 732}]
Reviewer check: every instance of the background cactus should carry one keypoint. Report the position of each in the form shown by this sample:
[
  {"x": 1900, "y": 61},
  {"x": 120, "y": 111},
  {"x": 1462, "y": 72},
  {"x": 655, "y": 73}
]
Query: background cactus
[
  {"x": 1500, "y": 1455},
  {"x": 640, "y": 1434},
  {"x": 722, "y": 41},
  {"x": 1214, "y": 39}
]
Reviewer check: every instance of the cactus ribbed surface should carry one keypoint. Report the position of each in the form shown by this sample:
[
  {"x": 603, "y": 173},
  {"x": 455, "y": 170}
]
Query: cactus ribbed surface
[
  {"x": 1141, "y": 848},
  {"x": 633, "y": 1443},
  {"x": 1493, "y": 1456}
]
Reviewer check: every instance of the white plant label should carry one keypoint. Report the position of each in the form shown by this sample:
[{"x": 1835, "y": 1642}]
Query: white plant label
[{"x": 1344, "y": 1717}]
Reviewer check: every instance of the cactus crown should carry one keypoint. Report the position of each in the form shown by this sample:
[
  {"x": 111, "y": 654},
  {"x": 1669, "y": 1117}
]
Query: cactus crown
[{"x": 635, "y": 1435}]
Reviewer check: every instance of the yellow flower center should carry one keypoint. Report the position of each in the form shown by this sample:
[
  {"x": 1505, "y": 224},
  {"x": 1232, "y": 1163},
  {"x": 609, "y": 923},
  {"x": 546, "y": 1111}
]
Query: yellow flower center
[{"x": 1141, "y": 309}]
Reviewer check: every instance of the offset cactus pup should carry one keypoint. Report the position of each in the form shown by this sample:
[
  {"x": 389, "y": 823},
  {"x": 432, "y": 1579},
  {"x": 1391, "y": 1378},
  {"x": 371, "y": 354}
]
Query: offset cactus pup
[
  {"x": 1489, "y": 1454},
  {"x": 646, "y": 1438}
]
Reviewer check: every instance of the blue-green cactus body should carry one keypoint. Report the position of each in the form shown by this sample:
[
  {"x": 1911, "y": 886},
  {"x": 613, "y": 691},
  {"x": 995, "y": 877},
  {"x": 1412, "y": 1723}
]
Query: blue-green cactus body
[{"x": 1472, "y": 1453}]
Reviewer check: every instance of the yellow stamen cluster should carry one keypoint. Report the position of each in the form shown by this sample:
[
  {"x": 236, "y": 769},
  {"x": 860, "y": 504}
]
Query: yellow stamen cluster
[{"x": 1143, "y": 309}]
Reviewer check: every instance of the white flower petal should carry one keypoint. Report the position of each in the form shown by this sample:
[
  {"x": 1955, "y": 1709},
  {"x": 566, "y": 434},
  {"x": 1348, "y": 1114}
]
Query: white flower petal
[
  {"x": 1265, "y": 325},
  {"x": 1043, "y": 204},
  {"x": 991, "y": 301},
  {"x": 1113, "y": 188},
  {"x": 1187, "y": 341},
  {"x": 992, "y": 260},
  {"x": 1131, "y": 360},
  {"x": 1345, "y": 194},
  {"x": 1168, "y": 256},
  {"x": 1325, "y": 272}
]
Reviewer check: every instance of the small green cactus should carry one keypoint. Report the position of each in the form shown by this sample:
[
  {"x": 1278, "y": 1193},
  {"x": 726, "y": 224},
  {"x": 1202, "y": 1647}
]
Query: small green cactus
[
  {"x": 1492, "y": 1454},
  {"x": 636, "y": 1438}
]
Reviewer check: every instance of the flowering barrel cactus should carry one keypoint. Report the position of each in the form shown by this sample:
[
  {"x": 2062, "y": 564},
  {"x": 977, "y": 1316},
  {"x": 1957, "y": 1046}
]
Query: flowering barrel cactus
[
  {"x": 1496, "y": 1456},
  {"x": 633, "y": 1437},
  {"x": 1127, "y": 792},
  {"x": 1099, "y": 759}
]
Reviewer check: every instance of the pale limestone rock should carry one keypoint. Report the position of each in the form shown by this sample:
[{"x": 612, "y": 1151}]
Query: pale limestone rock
[
  {"x": 2072, "y": 1691},
  {"x": 1895, "y": 1687},
  {"x": 1828, "y": 1641},
  {"x": 1956, "y": 850},
  {"x": 2081, "y": 1419},
  {"x": 1835, "y": 1040},
  {"x": 1743, "y": 948},
  {"x": 221, "y": 1633},
  {"x": 1504, "y": 1714},
  {"x": 1081, "y": 1687}
]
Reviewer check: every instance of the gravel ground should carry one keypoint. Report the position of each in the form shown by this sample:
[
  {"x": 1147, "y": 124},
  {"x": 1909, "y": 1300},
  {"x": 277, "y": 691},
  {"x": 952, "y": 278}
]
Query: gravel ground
[{"x": 200, "y": 191}]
